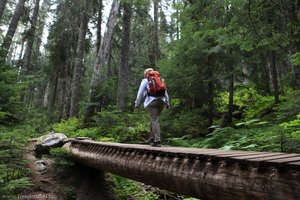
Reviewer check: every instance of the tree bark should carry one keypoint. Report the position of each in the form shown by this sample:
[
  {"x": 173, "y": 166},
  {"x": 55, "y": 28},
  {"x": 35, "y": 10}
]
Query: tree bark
[
  {"x": 297, "y": 77},
  {"x": 75, "y": 97},
  {"x": 53, "y": 94},
  {"x": 207, "y": 174},
  {"x": 41, "y": 91},
  {"x": 274, "y": 77},
  {"x": 2, "y": 7},
  {"x": 123, "y": 75},
  {"x": 63, "y": 114},
  {"x": 30, "y": 39},
  {"x": 11, "y": 31},
  {"x": 101, "y": 59},
  {"x": 99, "y": 23},
  {"x": 231, "y": 93},
  {"x": 45, "y": 8},
  {"x": 210, "y": 92},
  {"x": 156, "y": 53},
  {"x": 105, "y": 43},
  {"x": 177, "y": 23}
]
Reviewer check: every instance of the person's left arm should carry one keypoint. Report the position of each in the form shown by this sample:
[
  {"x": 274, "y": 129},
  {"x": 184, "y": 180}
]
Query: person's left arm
[{"x": 140, "y": 93}]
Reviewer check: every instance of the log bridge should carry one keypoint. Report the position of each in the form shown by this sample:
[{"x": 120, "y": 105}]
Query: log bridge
[{"x": 209, "y": 174}]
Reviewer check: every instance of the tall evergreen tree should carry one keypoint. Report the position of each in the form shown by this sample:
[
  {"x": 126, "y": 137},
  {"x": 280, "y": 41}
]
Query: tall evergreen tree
[
  {"x": 62, "y": 45},
  {"x": 100, "y": 60},
  {"x": 155, "y": 49},
  {"x": 11, "y": 31},
  {"x": 77, "y": 78},
  {"x": 30, "y": 38},
  {"x": 2, "y": 7},
  {"x": 123, "y": 72},
  {"x": 41, "y": 84},
  {"x": 99, "y": 24}
]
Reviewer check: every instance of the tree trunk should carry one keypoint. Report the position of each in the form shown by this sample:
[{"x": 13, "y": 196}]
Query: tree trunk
[
  {"x": 265, "y": 78},
  {"x": 156, "y": 54},
  {"x": 64, "y": 93},
  {"x": 2, "y": 7},
  {"x": 101, "y": 59},
  {"x": 11, "y": 31},
  {"x": 53, "y": 94},
  {"x": 274, "y": 77},
  {"x": 105, "y": 43},
  {"x": 123, "y": 75},
  {"x": 210, "y": 92},
  {"x": 41, "y": 86},
  {"x": 25, "y": 69},
  {"x": 231, "y": 93},
  {"x": 15, "y": 52},
  {"x": 210, "y": 103},
  {"x": 45, "y": 8},
  {"x": 30, "y": 39},
  {"x": 76, "y": 87},
  {"x": 41, "y": 91},
  {"x": 177, "y": 23},
  {"x": 99, "y": 23},
  {"x": 108, "y": 69},
  {"x": 31, "y": 91},
  {"x": 297, "y": 76}
]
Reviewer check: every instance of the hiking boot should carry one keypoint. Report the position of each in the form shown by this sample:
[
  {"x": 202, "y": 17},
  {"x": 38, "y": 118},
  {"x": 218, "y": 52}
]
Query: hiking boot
[
  {"x": 156, "y": 144},
  {"x": 150, "y": 142}
]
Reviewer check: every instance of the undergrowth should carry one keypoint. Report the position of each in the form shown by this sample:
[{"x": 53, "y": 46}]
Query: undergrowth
[{"x": 14, "y": 175}]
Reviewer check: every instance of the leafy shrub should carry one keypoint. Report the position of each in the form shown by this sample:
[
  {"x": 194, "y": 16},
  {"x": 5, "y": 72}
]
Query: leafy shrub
[
  {"x": 123, "y": 127},
  {"x": 10, "y": 106},
  {"x": 289, "y": 106},
  {"x": 290, "y": 135},
  {"x": 13, "y": 170},
  {"x": 184, "y": 123},
  {"x": 92, "y": 132},
  {"x": 38, "y": 121},
  {"x": 252, "y": 138},
  {"x": 62, "y": 160},
  {"x": 251, "y": 123},
  {"x": 129, "y": 189},
  {"x": 69, "y": 192},
  {"x": 217, "y": 139},
  {"x": 67, "y": 127},
  {"x": 296, "y": 59},
  {"x": 114, "y": 126},
  {"x": 254, "y": 103},
  {"x": 181, "y": 142}
]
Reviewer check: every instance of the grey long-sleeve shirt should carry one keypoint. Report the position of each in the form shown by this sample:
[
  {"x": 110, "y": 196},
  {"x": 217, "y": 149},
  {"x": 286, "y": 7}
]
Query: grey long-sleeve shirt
[{"x": 142, "y": 92}]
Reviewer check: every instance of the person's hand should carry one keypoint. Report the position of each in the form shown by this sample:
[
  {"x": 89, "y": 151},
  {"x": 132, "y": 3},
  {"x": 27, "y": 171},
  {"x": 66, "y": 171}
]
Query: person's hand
[{"x": 136, "y": 109}]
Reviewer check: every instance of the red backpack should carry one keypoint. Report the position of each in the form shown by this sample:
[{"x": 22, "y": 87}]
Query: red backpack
[{"x": 156, "y": 86}]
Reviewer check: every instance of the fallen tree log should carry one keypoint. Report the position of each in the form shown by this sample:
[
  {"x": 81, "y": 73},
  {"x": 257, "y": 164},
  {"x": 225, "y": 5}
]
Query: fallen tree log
[{"x": 208, "y": 174}]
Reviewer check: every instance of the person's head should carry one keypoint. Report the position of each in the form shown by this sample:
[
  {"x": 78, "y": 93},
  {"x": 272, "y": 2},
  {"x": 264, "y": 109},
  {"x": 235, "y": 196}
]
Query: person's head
[{"x": 147, "y": 70}]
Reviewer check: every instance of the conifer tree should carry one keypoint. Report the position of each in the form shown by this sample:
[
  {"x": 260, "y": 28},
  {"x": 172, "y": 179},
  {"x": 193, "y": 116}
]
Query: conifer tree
[
  {"x": 77, "y": 77},
  {"x": 11, "y": 31},
  {"x": 123, "y": 71},
  {"x": 2, "y": 7}
]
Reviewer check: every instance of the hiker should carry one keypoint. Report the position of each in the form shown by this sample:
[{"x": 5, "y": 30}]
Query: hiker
[{"x": 153, "y": 89}]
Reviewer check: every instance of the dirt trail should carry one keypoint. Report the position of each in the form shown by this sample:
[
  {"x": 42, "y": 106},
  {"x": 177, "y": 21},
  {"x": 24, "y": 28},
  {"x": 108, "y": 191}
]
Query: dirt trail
[
  {"x": 45, "y": 183},
  {"x": 77, "y": 182}
]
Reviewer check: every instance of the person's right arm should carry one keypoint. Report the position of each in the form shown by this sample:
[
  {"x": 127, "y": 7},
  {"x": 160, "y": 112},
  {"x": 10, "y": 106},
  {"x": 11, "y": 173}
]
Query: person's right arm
[{"x": 167, "y": 99}]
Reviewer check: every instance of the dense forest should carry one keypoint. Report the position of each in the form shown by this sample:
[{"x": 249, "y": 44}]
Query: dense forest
[{"x": 232, "y": 68}]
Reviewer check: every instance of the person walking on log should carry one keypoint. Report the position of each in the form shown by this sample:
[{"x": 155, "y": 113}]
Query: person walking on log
[{"x": 154, "y": 90}]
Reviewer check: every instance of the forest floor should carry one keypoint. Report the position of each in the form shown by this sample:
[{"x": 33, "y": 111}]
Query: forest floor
[
  {"x": 43, "y": 177},
  {"x": 73, "y": 182}
]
